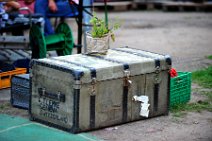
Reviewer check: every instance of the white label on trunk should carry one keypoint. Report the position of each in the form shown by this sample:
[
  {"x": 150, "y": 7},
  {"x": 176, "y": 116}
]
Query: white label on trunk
[{"x": 144, "y": 111}]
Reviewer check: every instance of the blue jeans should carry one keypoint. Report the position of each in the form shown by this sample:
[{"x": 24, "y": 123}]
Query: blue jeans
[{"x": 64, "y": 10}]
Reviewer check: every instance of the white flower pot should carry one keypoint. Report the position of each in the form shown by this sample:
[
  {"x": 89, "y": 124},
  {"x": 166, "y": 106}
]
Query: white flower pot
[{"x": 97, "y": 45}]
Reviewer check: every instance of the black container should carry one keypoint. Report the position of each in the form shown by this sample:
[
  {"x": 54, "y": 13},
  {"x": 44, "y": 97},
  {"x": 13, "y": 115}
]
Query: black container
[{"x": 20, "y": 92}]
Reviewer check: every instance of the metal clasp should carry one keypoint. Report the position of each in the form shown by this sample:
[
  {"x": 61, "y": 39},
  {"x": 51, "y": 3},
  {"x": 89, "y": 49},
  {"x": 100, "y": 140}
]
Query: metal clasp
[
  {"x": 77, "y": 84},
  {"x": 93, "y": 86},
  {"x": 58, "y": 95},
  {"x": 42, "y": 91},
  {"x": 157, "y": 69},
  {"x": 127, "y": 81},
  {"x": 157, "y": 79}
]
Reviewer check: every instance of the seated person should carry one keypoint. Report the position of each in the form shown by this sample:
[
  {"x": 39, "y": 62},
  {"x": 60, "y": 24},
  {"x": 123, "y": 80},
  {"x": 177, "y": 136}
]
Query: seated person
[
  {"x": 54, "y": 8},
  {"x": 12, "y": 20},
  {"x": 9, "y": 6},
  {"x": 27, "y": 3},
  {"x": 5, "y": 8}
]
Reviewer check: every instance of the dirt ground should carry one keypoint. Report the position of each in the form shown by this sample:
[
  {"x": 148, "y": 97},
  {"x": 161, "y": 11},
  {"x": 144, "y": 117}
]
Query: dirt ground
[{"x": 186, "y": 37}]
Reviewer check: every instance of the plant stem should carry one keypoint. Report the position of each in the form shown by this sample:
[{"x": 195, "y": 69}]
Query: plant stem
[{"x": 106, "y": 15}]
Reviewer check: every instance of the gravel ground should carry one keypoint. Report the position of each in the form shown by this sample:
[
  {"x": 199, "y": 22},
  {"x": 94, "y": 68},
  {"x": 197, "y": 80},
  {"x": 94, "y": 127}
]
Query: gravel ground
[{"x": 186, "y": 37}]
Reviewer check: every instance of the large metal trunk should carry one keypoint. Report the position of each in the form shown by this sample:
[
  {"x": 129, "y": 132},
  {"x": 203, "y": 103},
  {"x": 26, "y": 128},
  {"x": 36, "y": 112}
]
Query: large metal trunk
[{"x": 83, "y": 92}]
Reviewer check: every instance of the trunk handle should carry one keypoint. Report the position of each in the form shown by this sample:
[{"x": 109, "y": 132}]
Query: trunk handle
[{"x": 58, "y": 96}]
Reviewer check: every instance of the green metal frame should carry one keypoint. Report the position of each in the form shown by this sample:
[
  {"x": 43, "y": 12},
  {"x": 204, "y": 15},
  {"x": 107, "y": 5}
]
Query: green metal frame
[
  {"x": 62, "y": 41},
  {"x": 68, "y": 45},
  {"x": 37, "y": 42}
]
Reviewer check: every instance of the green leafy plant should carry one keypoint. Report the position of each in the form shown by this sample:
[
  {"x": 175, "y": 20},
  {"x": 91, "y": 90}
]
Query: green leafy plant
[{"x": 100, "y": 29}]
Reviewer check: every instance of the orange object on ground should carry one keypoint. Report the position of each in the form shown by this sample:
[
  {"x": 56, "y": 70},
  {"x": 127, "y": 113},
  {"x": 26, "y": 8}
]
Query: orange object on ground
[{"x": 5, "y": 77}]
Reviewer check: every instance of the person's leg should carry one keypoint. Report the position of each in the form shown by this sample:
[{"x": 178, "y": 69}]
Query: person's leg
[
  {"x": 64, "y": 9},
  {"x": 41, "y": 7}
]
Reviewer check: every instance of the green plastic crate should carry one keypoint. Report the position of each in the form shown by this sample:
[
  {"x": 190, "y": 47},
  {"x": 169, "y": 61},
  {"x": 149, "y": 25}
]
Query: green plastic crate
[{"x": 180, "y": 88}]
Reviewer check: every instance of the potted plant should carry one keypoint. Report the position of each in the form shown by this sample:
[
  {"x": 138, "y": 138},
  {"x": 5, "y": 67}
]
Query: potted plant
[{"x": 98, "y": 39}]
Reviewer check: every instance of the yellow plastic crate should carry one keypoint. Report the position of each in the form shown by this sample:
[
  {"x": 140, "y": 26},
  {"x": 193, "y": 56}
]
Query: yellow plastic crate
[{"x": 5, "y": 77}]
